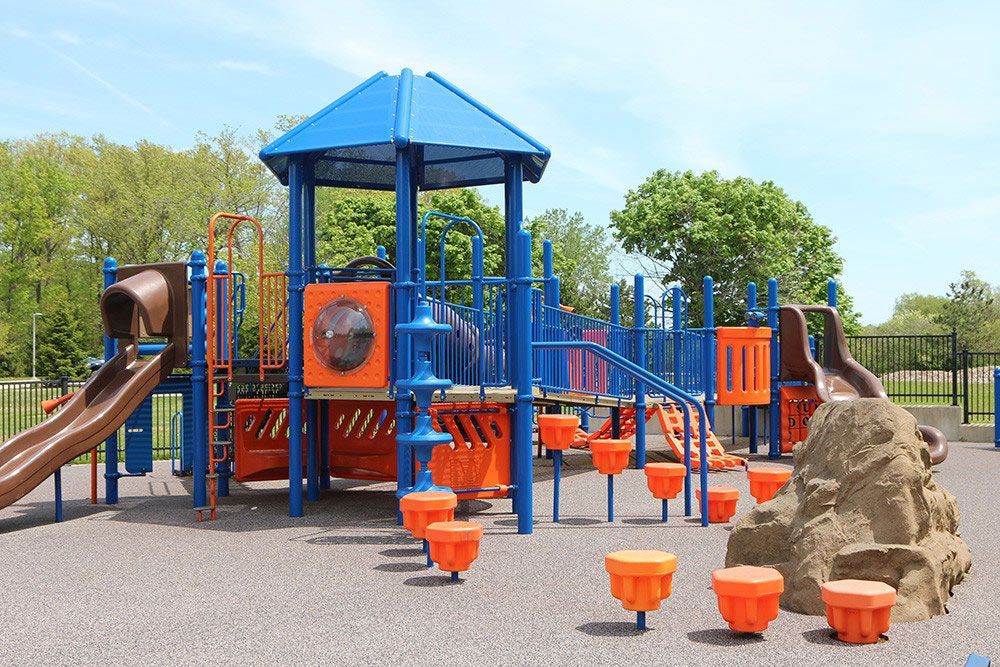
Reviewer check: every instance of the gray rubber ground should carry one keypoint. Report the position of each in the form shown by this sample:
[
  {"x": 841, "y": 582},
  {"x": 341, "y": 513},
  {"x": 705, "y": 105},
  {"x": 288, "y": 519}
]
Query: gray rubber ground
[{"x": 142, "y": 583}]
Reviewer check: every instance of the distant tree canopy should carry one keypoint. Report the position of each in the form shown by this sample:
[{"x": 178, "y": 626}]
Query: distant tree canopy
[{"x": 736, "y": 230}]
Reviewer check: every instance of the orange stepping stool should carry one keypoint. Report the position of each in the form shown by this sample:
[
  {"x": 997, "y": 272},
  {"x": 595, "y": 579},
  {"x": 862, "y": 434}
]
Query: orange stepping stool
[
  {"x": 721, "y": 503},
  {"x": 557, "y": 433},
  {"x": 857, "y": 609},
  {"x": 421, "y": 508},
  {"x": 641, "y": 580},
  {"x": 765, "y": 481},
  {"x": 610, "y": 458},
  {"x": 665, "y": 481},
  {"x": 748, "y": 596},
  {"x": 454, "y": 545}
]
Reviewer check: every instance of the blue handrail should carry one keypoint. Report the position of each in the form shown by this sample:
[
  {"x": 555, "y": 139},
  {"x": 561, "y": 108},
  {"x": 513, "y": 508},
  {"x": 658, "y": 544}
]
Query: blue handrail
[{"x": 669, "y": 390}]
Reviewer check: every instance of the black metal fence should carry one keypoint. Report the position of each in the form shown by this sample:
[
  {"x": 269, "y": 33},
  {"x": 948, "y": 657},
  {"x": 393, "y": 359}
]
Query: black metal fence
[{"x": 977, "y": 385}]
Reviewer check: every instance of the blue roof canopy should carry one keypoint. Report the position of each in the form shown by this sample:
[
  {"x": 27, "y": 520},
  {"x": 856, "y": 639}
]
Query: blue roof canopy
[{"x": 458, "y": 142}]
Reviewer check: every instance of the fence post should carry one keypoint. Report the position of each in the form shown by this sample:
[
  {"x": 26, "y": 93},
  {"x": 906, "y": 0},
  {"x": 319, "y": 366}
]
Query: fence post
[
  {"x": 640, "y": 361},
  {"x": 954, "y": 367},
  {"x": 996, "y": 407},
  {"x": 965, "y": 385}
]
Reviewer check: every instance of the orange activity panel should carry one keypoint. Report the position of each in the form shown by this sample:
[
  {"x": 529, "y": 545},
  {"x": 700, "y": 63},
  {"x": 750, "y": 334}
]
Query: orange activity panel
[
  {"x": 260, "y": 427},
  {"x": 363, "y": 440},
  {"x": 744, "y": 365},
  {"x": 479, "y": 455},
  {"x": 347, "y": 335},
  {"x": 797, "y": 407}
]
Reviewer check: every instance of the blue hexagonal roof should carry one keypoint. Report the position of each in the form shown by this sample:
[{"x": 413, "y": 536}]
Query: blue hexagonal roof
[{"x": 459, "y": 141}]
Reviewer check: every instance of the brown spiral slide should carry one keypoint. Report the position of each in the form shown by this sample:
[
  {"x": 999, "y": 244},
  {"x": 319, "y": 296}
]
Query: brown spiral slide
[
  {"x": 148, "y": 300},
  {"x": 840, "y": 377}
]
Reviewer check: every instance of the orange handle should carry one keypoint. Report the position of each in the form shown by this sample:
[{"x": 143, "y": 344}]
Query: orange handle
[{"x": 53, "y": 403}]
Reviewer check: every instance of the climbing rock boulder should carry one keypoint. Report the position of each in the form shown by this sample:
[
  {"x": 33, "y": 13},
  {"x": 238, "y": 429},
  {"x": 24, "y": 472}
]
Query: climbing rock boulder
[{"x": 861, "y": 504}]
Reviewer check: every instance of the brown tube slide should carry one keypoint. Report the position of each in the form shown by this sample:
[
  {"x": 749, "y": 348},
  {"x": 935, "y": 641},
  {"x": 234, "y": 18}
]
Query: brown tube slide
[
  {"x": 151, "y": 298},
  {"x": 840, "y": 377}
]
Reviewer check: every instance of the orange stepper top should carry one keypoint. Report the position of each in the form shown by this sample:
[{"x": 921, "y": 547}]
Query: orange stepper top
[
  {"x": 641, "y": 579},
  {"x": 665, "y": 480},
  {"x": 421, "y": 508},
  {"x": 748, "y": 596},
  {"x": 557, "y": 431},
  {"x": 721, "y": 503},
  {"x": 454, "y": 544},
  {"x": 857, "y": 609},
  {"x": 610, "y": 456},
  {"x": 765, "y": 482}
]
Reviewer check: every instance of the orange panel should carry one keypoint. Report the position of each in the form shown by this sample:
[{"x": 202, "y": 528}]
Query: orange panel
[
  {"x": 743, "y": 365},
  {"x": 798, "y": 403},
  {"x": 261, "y": 439},
  {"x": 363, "y": 440},
  {"x": 362, "y": 300},
  {"x": 479, "y": 456}
]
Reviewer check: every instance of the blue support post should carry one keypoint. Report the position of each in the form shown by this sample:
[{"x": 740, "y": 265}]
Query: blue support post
[
  {"x": 309, "y": 252},
  {"x": 615, "y": 317},
  {"x": 556, "y": 479},
  {"x": 199, "y": 379},
  {"x": 59, "y": 505},
  {"x": 751, "y": 411},
  {"x": 380, "y": 252},
  {"x": 639, "y": 313},
  {"x": 111, "y": 444},
  {"x": 524, "y": 398},
  {"x": 774, "y": 412},
  {"x": 678, "y": 335},
  {"x": 221, "y": 344},
  {"x": 296, "y": 286},
  {"x": 402, "y": 293},
  {"x": 996, "y": 407},
  {"x": 709, "y": 348},
  {"x": 611, "y": 498},
  {"x": 831, "y": 292}
]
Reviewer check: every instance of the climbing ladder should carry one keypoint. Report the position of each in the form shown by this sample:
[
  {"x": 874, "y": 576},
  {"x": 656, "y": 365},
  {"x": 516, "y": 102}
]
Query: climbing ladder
[{"x": 221, "y": 348}]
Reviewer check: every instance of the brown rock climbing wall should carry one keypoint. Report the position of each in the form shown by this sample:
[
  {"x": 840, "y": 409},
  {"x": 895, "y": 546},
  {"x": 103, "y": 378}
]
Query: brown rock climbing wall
[{"x": 861, "y": 504}]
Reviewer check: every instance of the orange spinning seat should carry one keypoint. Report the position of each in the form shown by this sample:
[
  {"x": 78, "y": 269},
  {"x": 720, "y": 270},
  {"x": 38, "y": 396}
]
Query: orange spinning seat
[
  {"x": 641, "y": 580},
  {"x": 454, "y": 545},
  {"x": 858, "y": 610},
  {"x": 748, "y": 596},
  {"x": 765, "y": 481}
]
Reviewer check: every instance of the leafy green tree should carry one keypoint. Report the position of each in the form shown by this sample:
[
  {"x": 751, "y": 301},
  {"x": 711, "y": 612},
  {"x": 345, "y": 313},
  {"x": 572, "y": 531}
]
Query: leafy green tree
[
  {"x": 737, "y": 230},
  {"x": 60, "y": 350},
  {"x": 972, "y": 310},
  {"x": 913, "y": 314}
]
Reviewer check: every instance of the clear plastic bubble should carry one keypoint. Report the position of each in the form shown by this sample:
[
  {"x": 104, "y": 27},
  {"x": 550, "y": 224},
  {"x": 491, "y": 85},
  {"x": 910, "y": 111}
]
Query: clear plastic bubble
[{"x": 343, "y": 335}]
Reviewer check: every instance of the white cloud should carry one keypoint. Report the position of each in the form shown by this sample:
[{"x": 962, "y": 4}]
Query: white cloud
[
  {"x": 66, "y": 36},
  {"x": 244, "y": 66}
]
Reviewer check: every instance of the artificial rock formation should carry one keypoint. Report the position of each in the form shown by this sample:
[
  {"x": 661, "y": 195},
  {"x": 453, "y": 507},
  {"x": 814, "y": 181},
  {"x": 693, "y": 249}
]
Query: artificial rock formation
[{"x": 861, "y": 504}]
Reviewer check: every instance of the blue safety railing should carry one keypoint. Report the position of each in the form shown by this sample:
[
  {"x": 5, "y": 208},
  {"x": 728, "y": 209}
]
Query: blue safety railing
[{"x": 685, "y": 400}]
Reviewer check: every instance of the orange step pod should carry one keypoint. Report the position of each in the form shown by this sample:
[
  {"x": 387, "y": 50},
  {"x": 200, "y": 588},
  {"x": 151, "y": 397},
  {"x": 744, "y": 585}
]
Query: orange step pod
[
  {"x": 557, "y": 432},
  {"x": 721, "y": 503},
  {"x": 765, "y": 481},
  {"x": 665, "y": 480},
  {"x": 610, "y": 456},
  {"x": 857, "y": 609},
  {"x": 748, "y": 596},
  {"x": 421, "y": 508},
  {"x": 454, "y": 545},
  {"x": 641, "y": 580}
]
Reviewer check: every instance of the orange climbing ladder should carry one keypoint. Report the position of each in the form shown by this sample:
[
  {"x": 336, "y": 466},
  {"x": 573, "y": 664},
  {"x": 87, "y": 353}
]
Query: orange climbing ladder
[{"x": 672, "y": 422}]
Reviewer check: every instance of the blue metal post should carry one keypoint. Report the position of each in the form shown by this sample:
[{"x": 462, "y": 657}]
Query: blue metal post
[
  {"x": 405, "y": 252},
  {"x": 751, "y": 411},
  {"x": 221, "y": 344},
  {"x": 309, "y": 251},
  {"x": 678, "y": 335},
  {"x": 380, "y": 252},
  {"x": 59, "y": 505},
  {"x": 556, "y": 479},
  {"x": 640, "y": 620},
  {"x": 831, "y": 292},
  {"x": 663, "y": 510},
  {"x": 639, "y": 313},
  {"x": 709, "y": 348},
  {"x": 996, "y": 407},
  {"x": 199, "y": 379},
  {"x": 774, "y": 413},
  {"x": 296, "y": 286},
  {"x": 524, "y": 398},
  {"x": 611, "y": 497},
  {"x": 111, "y": 444}
]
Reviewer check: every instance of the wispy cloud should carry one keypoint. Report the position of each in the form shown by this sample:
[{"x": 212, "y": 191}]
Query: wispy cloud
[
  {"x": 67, "y": 37},
  {"x": 245, "y": 66}
]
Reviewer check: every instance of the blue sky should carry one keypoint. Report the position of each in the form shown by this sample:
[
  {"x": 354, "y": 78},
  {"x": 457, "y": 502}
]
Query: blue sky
[{"x": 884, "y": 120}]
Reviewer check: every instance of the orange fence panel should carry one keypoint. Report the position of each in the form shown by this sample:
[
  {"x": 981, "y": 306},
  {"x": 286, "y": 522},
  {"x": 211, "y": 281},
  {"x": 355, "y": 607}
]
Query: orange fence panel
[{"x": 743, "y": 365}]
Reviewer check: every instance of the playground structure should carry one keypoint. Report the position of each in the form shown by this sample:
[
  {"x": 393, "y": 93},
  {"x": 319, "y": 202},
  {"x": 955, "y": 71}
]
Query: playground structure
[{"x": 373, "y": 371}]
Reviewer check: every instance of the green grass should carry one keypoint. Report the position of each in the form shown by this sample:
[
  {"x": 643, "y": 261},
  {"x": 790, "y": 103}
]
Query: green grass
[{"x": 909, "y": 393}]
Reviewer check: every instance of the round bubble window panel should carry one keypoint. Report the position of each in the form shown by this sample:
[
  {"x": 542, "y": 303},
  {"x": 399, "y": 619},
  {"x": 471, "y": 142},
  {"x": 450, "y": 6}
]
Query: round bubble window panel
[{"x": 343, "y": 335}]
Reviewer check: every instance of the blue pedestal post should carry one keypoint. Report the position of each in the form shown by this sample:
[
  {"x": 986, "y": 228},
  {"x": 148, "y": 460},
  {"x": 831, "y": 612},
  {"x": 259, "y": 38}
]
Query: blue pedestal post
[
  {"x": 199, "y": 379},
  {"x": 111, "y": 444}
]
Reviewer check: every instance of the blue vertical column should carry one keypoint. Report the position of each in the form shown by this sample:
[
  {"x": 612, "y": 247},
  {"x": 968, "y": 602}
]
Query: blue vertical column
[
  {"x": 774, "y": 412},
  {"x": 640, "y": 361},
  {"x": 550, "y": 366},
  {"x": 199, "y": 379},
  {"x": 752, "y": 410},
  {"x": 831, "y": 292},
  {"x": 708, "y": 343},
  {"x": 519, "y": 350},
  {"x": 296, "y": 286},
  {"x": 309, "y": 250},
  {"x": 405, "y": 250},
  {"x": 678, "y": 336},
  {"x": 996, "y": 407},
  {"x": 617, "y": 345},
  {"x": 111, "y": 444}
]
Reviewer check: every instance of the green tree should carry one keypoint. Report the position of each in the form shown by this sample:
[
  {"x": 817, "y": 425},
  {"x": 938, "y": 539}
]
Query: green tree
[
  {"x": 581, "y": 259},
  {"x": 913, "y": 314},
  {"x": 60, "y": 350},
  {"x": 736, "y": 230},
  {"x": 972, "y": 311}
]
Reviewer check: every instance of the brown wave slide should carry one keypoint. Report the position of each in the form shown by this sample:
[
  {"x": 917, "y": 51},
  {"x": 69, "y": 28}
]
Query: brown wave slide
[
  {"x": 840, "y": 377},
  {"x": 149, "y": 300}
]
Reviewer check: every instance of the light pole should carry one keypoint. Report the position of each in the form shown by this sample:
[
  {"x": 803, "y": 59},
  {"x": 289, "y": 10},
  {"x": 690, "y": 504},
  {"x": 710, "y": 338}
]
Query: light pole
[{"x": 34, "y": 337}]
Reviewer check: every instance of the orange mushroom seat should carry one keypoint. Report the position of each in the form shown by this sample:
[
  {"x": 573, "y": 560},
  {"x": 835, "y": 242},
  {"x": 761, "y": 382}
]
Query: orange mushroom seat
[
  {"x": 748, "y": 596},
  {"x": 859, "y": 610},
  {"x": 765, "y": 481},
  {"x": 557, "y": 432},
  {"x": 454, "y": 544},
  {"x": 610, "y": 456},
  {"x": 721, "y": 503},
  {"x": 665, "y": 480},
  {"x": 421, "y": 508},
  {"x": 641, "y": 579}
]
